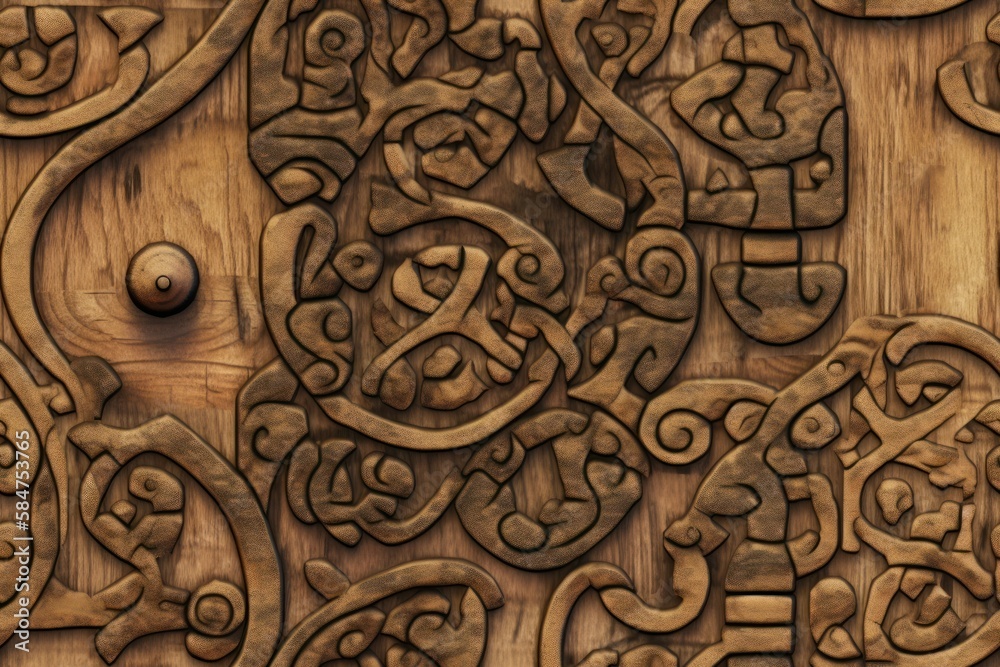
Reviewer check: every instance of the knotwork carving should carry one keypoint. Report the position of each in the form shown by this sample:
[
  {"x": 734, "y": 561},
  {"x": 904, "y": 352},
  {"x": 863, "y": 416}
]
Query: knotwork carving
[
  {"x": 745, "y": 105},
  {"x": 32, "y": 77},
  {"x": 916, "y": 413},
  {"x": 477, "y": 258},
  {"x": 349, "y": 622},
  {"x": 461, "y": 124},
  {"x": 146, "y": 602}
]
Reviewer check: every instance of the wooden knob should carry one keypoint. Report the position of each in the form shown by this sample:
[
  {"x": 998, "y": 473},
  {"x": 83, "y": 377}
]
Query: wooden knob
[{"x": 162, "y": 279}]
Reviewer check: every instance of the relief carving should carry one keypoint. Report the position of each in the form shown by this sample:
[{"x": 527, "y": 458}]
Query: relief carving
[{"x": 430, "y": 338}]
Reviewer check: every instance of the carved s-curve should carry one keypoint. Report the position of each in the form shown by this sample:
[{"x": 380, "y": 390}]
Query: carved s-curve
[{"x": 178, "y": 86}]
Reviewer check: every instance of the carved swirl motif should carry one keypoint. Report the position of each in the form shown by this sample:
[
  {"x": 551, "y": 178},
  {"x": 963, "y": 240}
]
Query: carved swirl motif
[
  {"x": 489, "y": 344},
  {"x": 220, "y": 616},
  {"x": 902, "y": 413},
  {"x": 975, "y": 63},
  {"x": 32, "y": 77}
]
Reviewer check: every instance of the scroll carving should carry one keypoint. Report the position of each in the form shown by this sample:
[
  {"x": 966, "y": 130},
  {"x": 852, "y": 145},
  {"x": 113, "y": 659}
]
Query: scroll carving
[
  {"x": 432, "y": 336},
  {"x": 902, "y": 414},
  {"x": 32, "y": 77},
  {"x": 956, "y": 77}
]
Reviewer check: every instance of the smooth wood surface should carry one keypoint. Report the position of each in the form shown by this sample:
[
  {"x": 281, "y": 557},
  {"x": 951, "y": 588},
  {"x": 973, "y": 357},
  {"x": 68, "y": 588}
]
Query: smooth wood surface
[{"x": 920, "y": 237}]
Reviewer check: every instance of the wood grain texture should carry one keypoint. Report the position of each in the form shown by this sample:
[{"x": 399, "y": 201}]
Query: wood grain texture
[{"x": 919, "y": 238}]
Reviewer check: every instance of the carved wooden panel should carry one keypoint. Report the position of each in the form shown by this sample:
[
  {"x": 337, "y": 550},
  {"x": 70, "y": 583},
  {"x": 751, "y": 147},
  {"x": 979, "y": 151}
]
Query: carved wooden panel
[{"x": 503, "y": 332}]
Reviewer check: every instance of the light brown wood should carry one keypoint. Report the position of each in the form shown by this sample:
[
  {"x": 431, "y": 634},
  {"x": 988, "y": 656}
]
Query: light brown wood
[{"x": 919, "y": 238}]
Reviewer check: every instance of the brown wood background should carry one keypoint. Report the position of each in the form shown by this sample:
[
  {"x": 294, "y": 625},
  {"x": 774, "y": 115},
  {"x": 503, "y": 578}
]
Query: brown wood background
[{"x": 921, "y": 236}]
